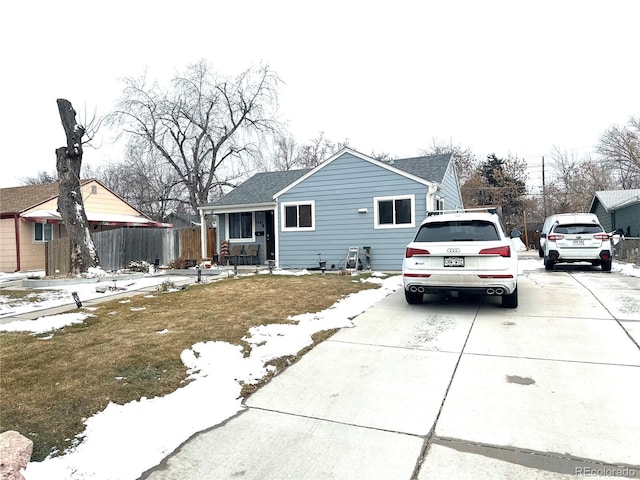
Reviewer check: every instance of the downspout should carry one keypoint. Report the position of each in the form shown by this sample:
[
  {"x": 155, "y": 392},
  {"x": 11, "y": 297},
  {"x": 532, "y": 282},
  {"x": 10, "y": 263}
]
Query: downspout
[
  {"x": 433, "y": 188},
  {"x": 276, "y": 233},
  {"x": 16, "y": 223},
  {"x": 203, "y": 235}
]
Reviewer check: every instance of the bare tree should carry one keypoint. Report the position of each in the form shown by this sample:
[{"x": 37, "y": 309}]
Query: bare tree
[
  {"x": 202, "y": 126},
  {"x": 287, "y": 154},
  {"x": 620, "y": 149},
  {"x": 498, "y": 182},
  {"x": 280, "y": 155},
  {"x": 83, "y": 254},
  {"x": 145, "y": 181},
  {"x": 39, "y": 178},
  {"x": 574, "y": 181},
  {"x": 318, "y": 150},
  {"x": 382, "y": 156}
]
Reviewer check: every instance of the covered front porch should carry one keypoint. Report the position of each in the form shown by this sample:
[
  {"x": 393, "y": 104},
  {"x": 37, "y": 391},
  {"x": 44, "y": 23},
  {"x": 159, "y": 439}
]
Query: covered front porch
[{"x": 247, "y": 235}]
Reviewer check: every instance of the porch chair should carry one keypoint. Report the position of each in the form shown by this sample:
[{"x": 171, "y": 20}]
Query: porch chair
[
  {"x": 236, "y": 253},
  {"x": 252, "y": 254}
]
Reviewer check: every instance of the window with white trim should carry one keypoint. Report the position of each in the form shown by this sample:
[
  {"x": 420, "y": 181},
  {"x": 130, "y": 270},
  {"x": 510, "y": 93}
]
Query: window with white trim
[
  {"x": 298, "y": 216},
  {"x": 394, "y": 212},
  {"x": 240, "y": 225},
  {"x": 42, "y": 232}
]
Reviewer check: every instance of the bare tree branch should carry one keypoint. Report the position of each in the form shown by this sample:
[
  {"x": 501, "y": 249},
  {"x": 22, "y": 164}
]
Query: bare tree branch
[
  {"x": 620, "y": 149},
  {"x": 202, "y": 126}
]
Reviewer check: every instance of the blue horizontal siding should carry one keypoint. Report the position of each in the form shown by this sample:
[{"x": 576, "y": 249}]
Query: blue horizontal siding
[
  {"x": 450, "y": 190},
  {"x": 339, "y": 190}
]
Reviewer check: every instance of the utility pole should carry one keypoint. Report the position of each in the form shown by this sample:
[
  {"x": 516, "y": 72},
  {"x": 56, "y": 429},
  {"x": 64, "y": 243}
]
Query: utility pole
[{"x": 544, "y": 193}]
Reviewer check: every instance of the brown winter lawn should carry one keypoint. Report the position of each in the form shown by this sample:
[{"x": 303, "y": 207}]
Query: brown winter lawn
[{"x": 48, "y": 386}]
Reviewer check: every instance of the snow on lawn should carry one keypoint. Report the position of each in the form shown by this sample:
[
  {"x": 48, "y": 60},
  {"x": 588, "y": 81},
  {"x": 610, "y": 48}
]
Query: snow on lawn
[{"x": 141, "y": 433}]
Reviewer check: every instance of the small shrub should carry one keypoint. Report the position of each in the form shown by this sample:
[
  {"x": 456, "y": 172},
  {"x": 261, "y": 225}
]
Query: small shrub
[
  {"x": 167, "y": 286},
  {"x": 178, "y": 263}
]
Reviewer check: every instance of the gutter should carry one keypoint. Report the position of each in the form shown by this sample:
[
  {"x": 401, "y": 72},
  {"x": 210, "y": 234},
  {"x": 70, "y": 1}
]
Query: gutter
[{"x": 16, "y": 227}]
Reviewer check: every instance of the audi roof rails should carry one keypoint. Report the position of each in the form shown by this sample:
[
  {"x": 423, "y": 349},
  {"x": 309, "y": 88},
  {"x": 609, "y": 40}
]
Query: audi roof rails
[{"x": 492, "y": 210}]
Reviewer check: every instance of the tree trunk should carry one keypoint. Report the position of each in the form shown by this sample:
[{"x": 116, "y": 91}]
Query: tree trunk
[{"x": 83, "y": 254}]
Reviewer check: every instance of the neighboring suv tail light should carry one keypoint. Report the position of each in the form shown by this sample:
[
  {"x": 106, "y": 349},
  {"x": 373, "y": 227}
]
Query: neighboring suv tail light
[
  {"x": 502, "y": 251},
  {"x": 554, "y": 236},
  {"x": 410, "y": 252},
  {"x": 601, "y": 236}
]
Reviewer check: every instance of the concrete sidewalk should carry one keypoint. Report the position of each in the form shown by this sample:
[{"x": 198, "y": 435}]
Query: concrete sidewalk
[
  {"x": 449, "y": 389},
  {"x": 89, "y": 302}
]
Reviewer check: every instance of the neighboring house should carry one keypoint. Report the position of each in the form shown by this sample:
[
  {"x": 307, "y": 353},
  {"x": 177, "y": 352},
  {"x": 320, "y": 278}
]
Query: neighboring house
[
  {"x": 299, "y": 217},
  {"x": 618, "y": 209},
  {"x": 29, "y": 219}
]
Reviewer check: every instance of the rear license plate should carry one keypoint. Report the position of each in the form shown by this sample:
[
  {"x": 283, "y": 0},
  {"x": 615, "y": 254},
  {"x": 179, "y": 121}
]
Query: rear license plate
[
  {"x": 454, "y": 261},
  {"x": 578, "y": 242}
]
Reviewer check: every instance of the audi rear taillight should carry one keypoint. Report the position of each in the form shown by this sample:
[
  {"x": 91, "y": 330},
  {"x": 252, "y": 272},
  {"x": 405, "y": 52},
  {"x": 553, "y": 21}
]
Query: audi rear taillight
[
  {"x": 553, "y": 237},
  {"x": 601, "y": 236},
  {"x": 410, "y": 252},
  {"x": 504, "y": 251}
]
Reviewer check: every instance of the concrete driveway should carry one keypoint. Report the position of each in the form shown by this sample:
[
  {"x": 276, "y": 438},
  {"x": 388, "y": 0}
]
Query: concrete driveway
[{"x": 459, "y": 389}]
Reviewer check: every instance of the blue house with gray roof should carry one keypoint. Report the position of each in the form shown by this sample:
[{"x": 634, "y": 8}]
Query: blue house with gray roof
[{"x": 299, "y": 217}]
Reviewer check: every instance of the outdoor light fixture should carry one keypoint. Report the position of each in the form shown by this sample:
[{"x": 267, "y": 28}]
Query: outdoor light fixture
[
  {"x": 322, "y": 263},
  {"x": 362, "y": 210}
]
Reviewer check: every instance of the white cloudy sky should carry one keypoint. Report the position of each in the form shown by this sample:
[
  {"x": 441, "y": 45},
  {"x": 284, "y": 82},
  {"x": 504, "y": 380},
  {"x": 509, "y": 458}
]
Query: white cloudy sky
[{"x": 510, "y": 77}]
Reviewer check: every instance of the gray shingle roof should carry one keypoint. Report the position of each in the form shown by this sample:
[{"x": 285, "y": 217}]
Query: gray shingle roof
[
  {"x": 613, "y": 198},
  {"x": 432, "y": 167},
  {"x": 260, "y": 188}
]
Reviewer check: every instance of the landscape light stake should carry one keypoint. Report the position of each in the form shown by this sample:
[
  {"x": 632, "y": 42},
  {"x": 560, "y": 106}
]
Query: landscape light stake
[{"x": 76, "y": 299}]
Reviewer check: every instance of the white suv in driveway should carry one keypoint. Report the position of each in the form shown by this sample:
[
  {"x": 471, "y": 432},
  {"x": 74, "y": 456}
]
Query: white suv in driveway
[
  {"x": 462, "y": 252},
  {"x": 576, "y": 237}
]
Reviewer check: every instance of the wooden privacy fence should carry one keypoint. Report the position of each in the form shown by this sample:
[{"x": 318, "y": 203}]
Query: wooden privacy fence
[{"x": 119, "y": 247}]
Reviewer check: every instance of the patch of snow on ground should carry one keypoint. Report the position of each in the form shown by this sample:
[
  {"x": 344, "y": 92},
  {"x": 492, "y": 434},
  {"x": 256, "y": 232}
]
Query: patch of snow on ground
[{"x": 44, "y": 324}]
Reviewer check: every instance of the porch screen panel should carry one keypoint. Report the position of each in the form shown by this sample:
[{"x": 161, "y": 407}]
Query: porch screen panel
[
  {"x": 240, "y": 225},
  {"x": 246, "y": 225}
]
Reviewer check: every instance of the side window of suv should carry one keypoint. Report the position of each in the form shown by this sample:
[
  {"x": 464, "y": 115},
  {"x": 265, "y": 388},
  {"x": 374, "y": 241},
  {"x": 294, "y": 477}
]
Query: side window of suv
[{"x": 458, "y": 231}]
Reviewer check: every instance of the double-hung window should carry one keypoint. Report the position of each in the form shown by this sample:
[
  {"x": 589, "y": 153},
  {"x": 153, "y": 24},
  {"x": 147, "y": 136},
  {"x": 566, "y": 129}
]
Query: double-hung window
[
  {"x": 394, "y": 212},
  {"x": 298, "y": 216},
  {"x": 241, "y": 226},
  {"x": 42, "y": 232}
]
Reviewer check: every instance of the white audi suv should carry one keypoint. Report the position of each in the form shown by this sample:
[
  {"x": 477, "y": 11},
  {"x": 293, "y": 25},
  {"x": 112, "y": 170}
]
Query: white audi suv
[{"x": 462, "y": 252}]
